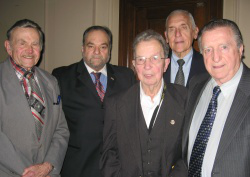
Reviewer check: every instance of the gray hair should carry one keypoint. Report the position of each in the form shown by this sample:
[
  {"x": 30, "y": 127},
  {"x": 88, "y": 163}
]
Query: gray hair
[
  {"x": 184, "y": 12},
  {"x": 26, "y": 23},
  {"x": 150, "y": 35},
  {"x": 222, "y": 23}
]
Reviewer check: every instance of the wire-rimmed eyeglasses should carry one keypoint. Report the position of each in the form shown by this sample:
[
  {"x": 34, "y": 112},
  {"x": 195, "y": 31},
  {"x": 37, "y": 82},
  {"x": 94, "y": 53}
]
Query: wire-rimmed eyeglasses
[{"x": 153, "y": 59}]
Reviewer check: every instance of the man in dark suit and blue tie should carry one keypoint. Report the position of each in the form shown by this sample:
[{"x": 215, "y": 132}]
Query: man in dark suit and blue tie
[
  {"x": 185, "y": 62},
  {"x": 84, "y": 86},
  {"x": 217, "y": 125}
]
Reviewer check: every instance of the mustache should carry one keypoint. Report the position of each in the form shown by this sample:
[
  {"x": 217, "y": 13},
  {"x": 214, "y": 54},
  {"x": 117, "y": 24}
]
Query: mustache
[{"x": 96, "y": 57}]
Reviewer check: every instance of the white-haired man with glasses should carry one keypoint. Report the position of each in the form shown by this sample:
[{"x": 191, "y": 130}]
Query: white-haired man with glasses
[{"x": 143, "y": 125}]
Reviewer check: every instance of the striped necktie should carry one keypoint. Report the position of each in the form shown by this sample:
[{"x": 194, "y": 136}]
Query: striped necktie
[
  {"x": 36, "y": 103},
  {"x": 98, "y": 85}
]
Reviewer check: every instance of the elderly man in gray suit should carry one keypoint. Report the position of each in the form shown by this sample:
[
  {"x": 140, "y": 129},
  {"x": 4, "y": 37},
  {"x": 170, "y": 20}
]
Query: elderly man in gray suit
[
  {"x": 217, "y": 130},
  {"x": 33, "y": 129}
]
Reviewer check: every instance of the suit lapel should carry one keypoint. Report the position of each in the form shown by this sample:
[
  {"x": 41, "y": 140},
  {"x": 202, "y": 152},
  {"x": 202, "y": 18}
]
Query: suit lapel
[
  {"x": 111, "y": 79},
  {"x": 194, "y": 66},
  {"x": 236, "y": 114},
  {"x": 49, "y": 98},
  {"x": 85, "y": 80},
  {"x": 167, "y": 74},
  {"x": 130, "y": 121},
  {"x": 193, "y": 100},
  {"x": 16, "y": 95},
  {"x": 172, "y": 118}
]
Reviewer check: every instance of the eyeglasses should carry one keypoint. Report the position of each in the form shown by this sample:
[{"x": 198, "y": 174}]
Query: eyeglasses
[{"x": 153, "y": 59}]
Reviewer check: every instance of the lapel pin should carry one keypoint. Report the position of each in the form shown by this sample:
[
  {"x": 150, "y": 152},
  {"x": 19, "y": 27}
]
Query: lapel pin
[
  {"x": 172, "y": 122},
  {"x": 112, "y": 78}
]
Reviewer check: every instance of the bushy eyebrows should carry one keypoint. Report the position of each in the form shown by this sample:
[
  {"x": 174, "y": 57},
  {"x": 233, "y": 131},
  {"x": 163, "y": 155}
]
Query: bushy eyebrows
[{"x": 91, "y": 43}]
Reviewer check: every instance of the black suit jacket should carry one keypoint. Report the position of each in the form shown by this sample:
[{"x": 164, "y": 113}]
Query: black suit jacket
[
  {"x": 121, "y": 151},
  {"x": 233, "y": 154},
  {"x": 84, "y": 114},
  {"x": 197, "y": 67}
]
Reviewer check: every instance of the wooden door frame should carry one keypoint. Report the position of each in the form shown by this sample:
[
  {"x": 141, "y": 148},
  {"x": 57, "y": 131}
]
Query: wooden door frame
[{"x": 127, "y": 21}]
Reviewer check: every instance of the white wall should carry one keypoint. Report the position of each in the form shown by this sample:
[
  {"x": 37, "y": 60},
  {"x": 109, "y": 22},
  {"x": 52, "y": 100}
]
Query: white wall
[
  {"x": 64, "y": 22},
  {"x": 13, "y": 10},
  {"x": 238, "y": 11}
]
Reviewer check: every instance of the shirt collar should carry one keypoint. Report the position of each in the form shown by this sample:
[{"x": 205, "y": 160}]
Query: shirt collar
[
  {"x": 187, "y": 58},
  {"x": 230, "y": 85},
  {"x": 103, "y": 70},
  {"x": 20, "y": 70},
  {"x": 156, "y": 98}
]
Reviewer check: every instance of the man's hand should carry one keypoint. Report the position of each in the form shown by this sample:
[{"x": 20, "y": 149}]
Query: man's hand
[{"x": 39, "y": 170}]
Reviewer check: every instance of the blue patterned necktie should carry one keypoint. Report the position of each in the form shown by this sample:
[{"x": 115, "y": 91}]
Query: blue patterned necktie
[{"x": 202, "y": 137}]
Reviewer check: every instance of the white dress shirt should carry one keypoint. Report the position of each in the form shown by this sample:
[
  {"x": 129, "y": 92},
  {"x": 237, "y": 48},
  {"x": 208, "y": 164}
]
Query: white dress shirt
[
  {"x": 225, "y": 100},
  {"x": 148, "y": 106},
  {"x": 103, "y": 77}
]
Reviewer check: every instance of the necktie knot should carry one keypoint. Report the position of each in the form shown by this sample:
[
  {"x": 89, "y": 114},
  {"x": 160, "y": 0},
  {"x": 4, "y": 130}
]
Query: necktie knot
[
  {"x": 97, "y": 75},
  {"x": 29, "y": 74},
  {"x": 181, "y": 62},
  {"x": 216, "y": 92}
]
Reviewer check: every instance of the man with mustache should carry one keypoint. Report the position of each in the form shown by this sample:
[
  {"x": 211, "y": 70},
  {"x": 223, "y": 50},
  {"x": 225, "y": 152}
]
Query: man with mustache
[
  {"x": 83, "y": 86},
  {"x": 185, "y": 61}
]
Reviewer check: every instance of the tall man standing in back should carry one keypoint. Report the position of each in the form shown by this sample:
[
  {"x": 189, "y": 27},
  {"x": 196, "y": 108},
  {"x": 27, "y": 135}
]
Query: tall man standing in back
[
  {"x": 33, "y": 130},
  {"x": 83, "y": 86},
  {"x": 216, "y": 133},
  {"x": 185, "y": 61}
]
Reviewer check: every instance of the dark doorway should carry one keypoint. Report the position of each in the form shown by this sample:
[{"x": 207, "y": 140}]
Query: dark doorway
[{"x": 139, "y": 15}]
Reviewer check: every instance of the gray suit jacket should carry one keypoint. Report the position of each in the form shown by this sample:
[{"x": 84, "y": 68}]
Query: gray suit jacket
[
  {"x": 121, "y": 150},
  {"x": 19, "y": 147},
  {"x": 233, "y": 155}
]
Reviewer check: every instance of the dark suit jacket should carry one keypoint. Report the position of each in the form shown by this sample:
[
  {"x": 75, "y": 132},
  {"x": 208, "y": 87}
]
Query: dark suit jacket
[
  {"x": 233, "y": 155},
  {"x": 19, "y": 147},
  {"x": 197, "y": 67},
  {"x": 121, "y": 152},
  {"x": 84, "y": 114}
]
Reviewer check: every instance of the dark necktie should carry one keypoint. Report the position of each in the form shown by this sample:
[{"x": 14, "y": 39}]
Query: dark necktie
[
  {"x": 202, "y": 137},
  {"x": 180, "y": 78},
  {"x": 98, "y": 85},
  {"x": 36, "y": 103}
]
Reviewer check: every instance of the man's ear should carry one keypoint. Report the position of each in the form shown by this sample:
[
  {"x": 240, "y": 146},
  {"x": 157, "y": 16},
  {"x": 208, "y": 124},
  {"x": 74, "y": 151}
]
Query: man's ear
[
  {"x": 166, "y": 36},
  {"x": 133, "y": 62},
  {"x": 196, "y": 31},
  {"x": 241, "y": 49},
  {"x": 8, "y": 47},
  {"x": 166, "y": 63}
]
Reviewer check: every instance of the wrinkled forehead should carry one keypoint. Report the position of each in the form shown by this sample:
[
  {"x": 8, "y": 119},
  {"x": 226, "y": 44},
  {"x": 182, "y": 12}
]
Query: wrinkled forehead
[
  {"x": 178, "y": 19},
  {"x": 97, "y": 35},
  {"x": 148, "y": 48},
  {"x": 25, "y": 32}
]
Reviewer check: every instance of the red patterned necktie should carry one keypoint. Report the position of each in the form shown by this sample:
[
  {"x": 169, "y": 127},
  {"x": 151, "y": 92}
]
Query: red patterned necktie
[
  {"x": 36, "y": 103},
  {"x": 99, "y": 86}
]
